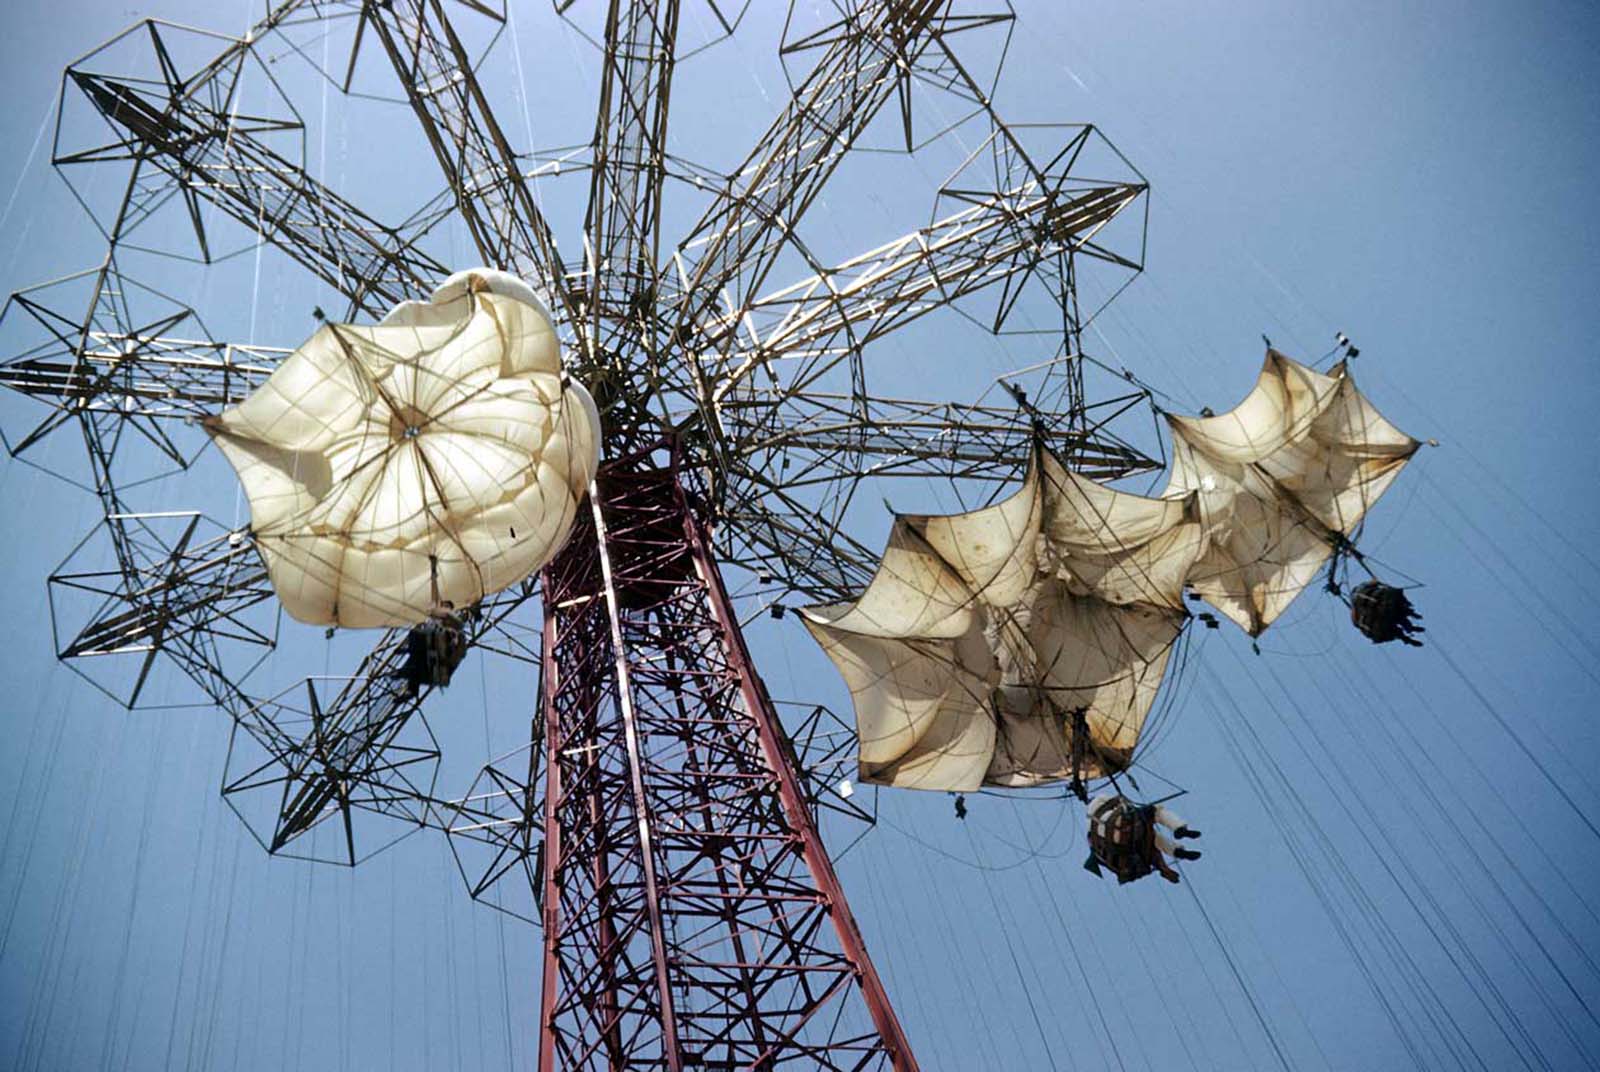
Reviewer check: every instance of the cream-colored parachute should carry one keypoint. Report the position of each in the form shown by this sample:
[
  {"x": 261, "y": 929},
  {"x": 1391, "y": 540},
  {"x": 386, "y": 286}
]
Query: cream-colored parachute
[
  {"x": 984, "y": 637},
  {"x": 436, "y": 455},
  {"x": 1281, "y": 478}
]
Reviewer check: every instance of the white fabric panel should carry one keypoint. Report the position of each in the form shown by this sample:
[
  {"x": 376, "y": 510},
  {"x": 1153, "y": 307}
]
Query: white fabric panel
[
  {"x": 920, "y": 710},
  {"x": 434, "y": 455},
  {"x": 981, "y": 633},
  {"x": 1118, "y": 547},
  {"x": 1279, "y": 409},
  {"x": 993, "y": 551},
  {"x": 283, "y": 483},
  {"x": 308, "y": 400},
  {"x": 1278, "y": 479},
  {"x": 1105, "y": 657},
  {"x": 1349, "y": 459},
  {"x": 914, "y": 593}
]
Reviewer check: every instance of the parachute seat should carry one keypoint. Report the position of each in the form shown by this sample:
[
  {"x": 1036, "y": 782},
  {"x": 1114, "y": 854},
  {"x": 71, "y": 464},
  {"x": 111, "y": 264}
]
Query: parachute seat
[
  {"x": 1384, "y": 613},
  {"x": 433, "y": 650},
  {"x": 1122, "y": 838}
]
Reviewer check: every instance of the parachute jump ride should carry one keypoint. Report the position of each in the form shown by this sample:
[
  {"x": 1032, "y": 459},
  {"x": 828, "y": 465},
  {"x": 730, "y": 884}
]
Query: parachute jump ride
[{"x": 555, "y": 458}]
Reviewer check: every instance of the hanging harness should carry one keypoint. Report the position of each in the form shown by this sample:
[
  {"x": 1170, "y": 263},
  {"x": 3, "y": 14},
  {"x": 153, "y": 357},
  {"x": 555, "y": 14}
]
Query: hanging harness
[
  {"x": 1078, "y": 751},
  {"x": 1122, "y": 838}
]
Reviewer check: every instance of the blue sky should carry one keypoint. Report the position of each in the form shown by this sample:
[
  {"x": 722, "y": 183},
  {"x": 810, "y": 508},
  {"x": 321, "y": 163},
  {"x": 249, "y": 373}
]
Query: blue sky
[{"x": 1418, "y": 177}]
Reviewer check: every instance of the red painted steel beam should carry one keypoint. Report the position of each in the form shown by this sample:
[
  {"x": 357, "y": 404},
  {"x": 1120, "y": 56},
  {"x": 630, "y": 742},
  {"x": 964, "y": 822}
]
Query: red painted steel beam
[
  {"x": 692, "y": 918},
  {"x": 772, "y": 737}
]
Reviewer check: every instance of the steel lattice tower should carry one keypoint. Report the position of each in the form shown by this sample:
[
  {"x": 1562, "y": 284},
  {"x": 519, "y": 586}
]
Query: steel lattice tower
[{"x": 692, "y": 917}]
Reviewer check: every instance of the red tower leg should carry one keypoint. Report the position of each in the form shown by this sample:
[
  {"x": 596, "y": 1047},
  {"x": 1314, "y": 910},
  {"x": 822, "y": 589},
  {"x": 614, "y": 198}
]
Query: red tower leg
[{"x": 693, "y": 919}]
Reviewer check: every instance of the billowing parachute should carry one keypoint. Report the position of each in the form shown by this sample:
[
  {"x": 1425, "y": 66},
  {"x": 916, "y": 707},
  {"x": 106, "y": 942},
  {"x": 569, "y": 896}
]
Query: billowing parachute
[
  {"x": 437, "y": 455},
  {"x": 1024, "y": 643},
  {"x": 985, "y": 639},
  {"x": 1282, "y": 478}
]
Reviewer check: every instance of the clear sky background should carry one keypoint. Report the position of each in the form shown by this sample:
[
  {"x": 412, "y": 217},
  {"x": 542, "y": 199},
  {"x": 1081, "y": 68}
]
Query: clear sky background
[{"x": 1400, "y": 846}]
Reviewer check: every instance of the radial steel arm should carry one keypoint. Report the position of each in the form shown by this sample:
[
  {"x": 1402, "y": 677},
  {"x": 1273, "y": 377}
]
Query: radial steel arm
[
  {"x": 818, "y": 321},
  {"x": 622, "y": 323},
  {"x": 149, "y": 376},
  {"x": 490, "y": 192},
  {"x": 623, "y": 220},
  {"x": 819, "y": 438},
  {"x": 774, "y": 535},
  {"x": 818, "y": 445},
  {"x": 196, "y": 586},
  {"x": 212, "y": 154},
  {"x": 173, "y": 592},
  {"x": 738, "y": 240},
  {"x": 350, "y": 753},
  {"x": 112, "y": 371}
]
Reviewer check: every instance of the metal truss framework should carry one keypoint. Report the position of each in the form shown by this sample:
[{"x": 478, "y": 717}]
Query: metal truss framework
[
  {"x": 692, "y": 918},
  {"x": 660, "y": 821}
]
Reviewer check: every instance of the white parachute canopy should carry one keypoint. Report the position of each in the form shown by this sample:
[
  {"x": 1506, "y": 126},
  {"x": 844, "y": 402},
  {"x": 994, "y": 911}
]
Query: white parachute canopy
[
  {"x": 1281, "y": 479},
  {"x": 1025, "y": 642},
  {"x": 985, "y": 638},
  {"x": 436, "y": 455}
]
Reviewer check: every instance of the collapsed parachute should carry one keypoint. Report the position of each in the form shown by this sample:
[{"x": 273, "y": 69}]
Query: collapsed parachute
[
  {"x": 435, "y": 456},
  {"x": 988, "y": 641},
  {"x": 1284, "y": 478},
  {"x": 1025, "y": 643}
]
